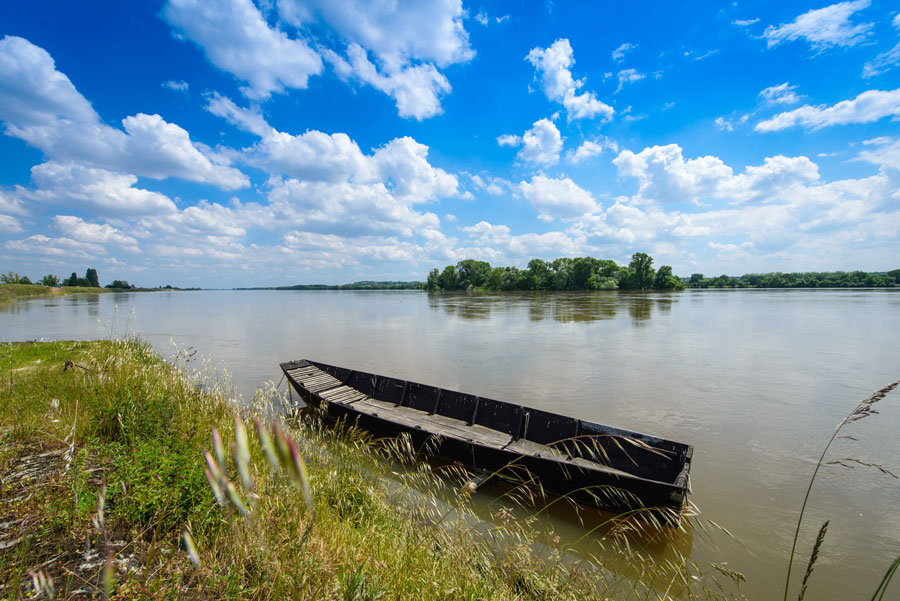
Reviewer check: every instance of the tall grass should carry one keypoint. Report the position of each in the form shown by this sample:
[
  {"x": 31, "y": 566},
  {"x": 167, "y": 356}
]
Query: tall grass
[
  {"x": 865, "y": 408},
  {"x": 276, "y": 509}
]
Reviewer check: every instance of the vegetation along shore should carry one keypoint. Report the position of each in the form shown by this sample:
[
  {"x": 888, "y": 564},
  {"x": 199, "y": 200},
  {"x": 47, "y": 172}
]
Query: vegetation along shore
[{"x": 107, "y": 492}]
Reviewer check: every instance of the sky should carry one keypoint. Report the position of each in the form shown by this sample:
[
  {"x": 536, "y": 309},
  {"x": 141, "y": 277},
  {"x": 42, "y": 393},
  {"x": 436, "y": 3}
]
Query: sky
[{"x": 277, "y": 142}]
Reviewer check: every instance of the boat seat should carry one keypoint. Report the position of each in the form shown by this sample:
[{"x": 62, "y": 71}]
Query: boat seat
[{"x": 439, "y": 424}]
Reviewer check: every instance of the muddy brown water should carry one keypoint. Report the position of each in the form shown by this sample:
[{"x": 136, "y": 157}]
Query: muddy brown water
[{"x": 756, "y": 380}]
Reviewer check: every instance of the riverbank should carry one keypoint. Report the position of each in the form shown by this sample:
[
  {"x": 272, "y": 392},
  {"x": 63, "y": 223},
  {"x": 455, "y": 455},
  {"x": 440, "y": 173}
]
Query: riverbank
[
  {"x": 10, "y": 292},
  {"x": 101, "y": 451}
]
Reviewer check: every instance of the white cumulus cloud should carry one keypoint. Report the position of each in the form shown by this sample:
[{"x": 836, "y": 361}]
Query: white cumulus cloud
[
  {"x": 591, "y": 148},
  {"x": 79, "y": 229},
  {"x": 557, "y": 198},
  {"x": 106, "y": 192},
  {"x": 664, "y": 175},
  {"x": 541, "y": 144},
  {"x": 236, "y": 38},
  {"x": 408, "y": 40},
  {"x": 39, "y": 105},
  {"x": 553, "y": 67}
]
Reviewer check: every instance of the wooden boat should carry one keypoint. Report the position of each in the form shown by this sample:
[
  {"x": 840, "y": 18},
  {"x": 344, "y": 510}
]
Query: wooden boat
[{"x": 588, "y": 462}]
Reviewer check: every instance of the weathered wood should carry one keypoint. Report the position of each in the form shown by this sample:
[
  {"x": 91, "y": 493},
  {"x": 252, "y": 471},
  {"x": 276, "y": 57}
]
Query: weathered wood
[{"x": 567, "y": 455}]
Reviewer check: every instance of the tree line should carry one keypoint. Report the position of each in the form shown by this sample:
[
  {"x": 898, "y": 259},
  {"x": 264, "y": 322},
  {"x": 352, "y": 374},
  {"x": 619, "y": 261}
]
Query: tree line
[
  {"x": 90, "y": 280},
  {"x": 579, "y": 273},
  {"x": 362, "y": 285},
  {"x": 809, "y": 279}
]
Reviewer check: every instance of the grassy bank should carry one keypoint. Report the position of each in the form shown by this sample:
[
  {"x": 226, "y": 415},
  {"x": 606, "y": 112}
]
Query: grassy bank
[
  {"x": 101, "y": 456},
  {"x": 83, "y": 422},
  {"x": 10, "y": 292}
]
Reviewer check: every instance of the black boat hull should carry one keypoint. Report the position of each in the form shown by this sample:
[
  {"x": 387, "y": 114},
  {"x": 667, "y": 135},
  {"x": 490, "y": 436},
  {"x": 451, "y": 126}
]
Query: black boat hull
[{"x": 589, "y": 463}]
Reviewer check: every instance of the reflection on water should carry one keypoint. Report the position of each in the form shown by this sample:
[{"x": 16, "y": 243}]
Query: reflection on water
[{"x": 578, "y": 307}]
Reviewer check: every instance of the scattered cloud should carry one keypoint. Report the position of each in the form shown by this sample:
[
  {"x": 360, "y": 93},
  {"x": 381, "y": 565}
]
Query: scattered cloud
[
  {"x": 867, "y": 107},
  {"x": 401, "y": 165},
  {"x": 541, "y": 144},
  {"x": 723, "y": 124},
  {"x": 553, "y": 66},
  {"x": 39, "y": 105},
  {"x": 177, "y": 86},
  {"x": 664, "y": 175},
  {"x": 745, "y": 22},
  {"x": 11, "y": 204},
  {"x": 823, "y": 28},
  {"x": 781, "y": 94},
  {"x": 628, "y": 76},
  {"x": 89, "y": 188},
  {"x": 483, "y": 18},
  {"x": 9, "y": 225},
  {"x": 885, "y": 153},
  {"x": 557, "y": 198},
  {"x": 495, "y": 186},
  {"x": 591, "y": 148},
  {"x": 398, "y": 48},
  {"x": 236, "y": 38},
  {"x": 78, "y": 229},
  {"x": 885, "y": 61},
  {"x": 416, "y": 89},
  {"x": 619, "y": 53}
]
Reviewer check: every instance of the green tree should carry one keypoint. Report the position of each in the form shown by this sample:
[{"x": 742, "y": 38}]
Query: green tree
[
  {"x": 641, "y": 268},
  {"x": 50, "y": 280},
  {"x": 72, "y": 280},
  {"x": 119, "y": 284},
  {"x": 449, "y": 280},
  {"x": 539, "y": 275},
  {"x": 665, "y": 280},
  {"x": 91, "y": 276},
  {"x": 473, "y": 273},
  {"x": 563, "y": 274},
  {"x": 495, "y": 279},
  {"x": 10, "y": 278},
  {"x": 894, "y": 274},
  {"x": 434, "y": 280}
]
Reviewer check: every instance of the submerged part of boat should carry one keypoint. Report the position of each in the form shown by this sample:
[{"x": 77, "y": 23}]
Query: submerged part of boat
[{"x": 588, "y": 462}]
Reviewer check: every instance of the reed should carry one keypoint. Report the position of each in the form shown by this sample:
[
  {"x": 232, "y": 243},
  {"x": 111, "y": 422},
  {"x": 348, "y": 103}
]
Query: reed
[{"x": 864, "y": 408}]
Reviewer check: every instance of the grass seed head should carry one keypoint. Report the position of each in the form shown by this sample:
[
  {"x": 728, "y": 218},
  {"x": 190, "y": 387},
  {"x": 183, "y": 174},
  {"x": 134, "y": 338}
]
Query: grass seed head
[
  {"x": 191, "y": 548},
  {"x": 265, "y": 441},
  {"x": 218, "y": 448}
]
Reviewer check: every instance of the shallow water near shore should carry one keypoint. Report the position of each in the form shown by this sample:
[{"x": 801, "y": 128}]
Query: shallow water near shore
[{"x": 756, "y": 380}]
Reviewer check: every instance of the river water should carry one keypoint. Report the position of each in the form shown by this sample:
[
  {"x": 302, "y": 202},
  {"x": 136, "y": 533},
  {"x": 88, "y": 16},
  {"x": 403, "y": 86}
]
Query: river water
[{"x": 756, "y": 380}]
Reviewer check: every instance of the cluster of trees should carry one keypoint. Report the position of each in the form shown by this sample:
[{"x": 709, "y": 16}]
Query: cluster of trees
[
  {"x": 90, "y": 280},
  {"x": 812, "y": 279},
  {"x": 580, "y": 273},
  {"x": 362, "y": 285},
  {"x": 11, "y": 277}
]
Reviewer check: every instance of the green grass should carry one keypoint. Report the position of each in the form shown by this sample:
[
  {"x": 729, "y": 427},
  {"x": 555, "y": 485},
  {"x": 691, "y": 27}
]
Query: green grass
[
  {"x": 118, "y": 437},
  {"x": 9, "y": 292}
]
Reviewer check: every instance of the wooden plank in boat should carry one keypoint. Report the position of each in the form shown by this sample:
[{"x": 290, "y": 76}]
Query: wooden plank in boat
[{"x": 437, "y": 424}]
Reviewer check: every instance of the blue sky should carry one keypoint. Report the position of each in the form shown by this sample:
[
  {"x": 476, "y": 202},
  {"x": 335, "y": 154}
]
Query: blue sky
[{"x": 236, "y": 143}]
